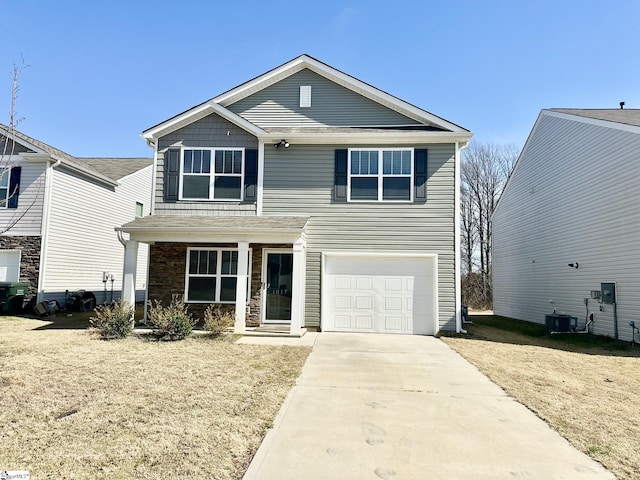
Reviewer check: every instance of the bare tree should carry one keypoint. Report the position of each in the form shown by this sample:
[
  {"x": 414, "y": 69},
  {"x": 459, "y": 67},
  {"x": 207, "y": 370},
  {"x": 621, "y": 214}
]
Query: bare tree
[
  {"x": 484, "y": 171},
  {"x": 8, "y": 147}
]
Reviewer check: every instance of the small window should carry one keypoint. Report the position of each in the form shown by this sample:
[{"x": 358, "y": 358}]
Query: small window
[
  {"x": 380, "y": 175},
  {"x": 139, "y": 209},
  {"x": 305, "y": 96}
]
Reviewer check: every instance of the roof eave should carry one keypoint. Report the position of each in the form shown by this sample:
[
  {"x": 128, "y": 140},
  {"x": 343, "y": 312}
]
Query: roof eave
[
  {"x": 195, "y": 114},
  {"x": 71, "y": 166},
  {"x": 368, "y": 137}
]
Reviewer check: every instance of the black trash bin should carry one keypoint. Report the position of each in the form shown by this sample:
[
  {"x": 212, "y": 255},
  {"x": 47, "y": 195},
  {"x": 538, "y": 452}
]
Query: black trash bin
[
  {"x": 12, "y": 297},
  {"x": 465, "y": 313}
]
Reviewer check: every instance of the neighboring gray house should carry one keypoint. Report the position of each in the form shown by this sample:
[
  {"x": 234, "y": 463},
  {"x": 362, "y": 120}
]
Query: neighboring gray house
[
  {"x": 308, "y": 198},
  {"x": 573, "y": 198},
  {"x": 58, "y": 214}
]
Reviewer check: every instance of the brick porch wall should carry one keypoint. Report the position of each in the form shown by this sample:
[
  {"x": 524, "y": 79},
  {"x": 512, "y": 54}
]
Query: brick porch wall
[
  {"x": 167, "y": 268},
  {"x": 29, "y": 260}
]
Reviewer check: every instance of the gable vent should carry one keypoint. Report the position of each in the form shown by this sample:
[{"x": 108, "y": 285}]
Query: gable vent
[{"x": 305, "y": 96}]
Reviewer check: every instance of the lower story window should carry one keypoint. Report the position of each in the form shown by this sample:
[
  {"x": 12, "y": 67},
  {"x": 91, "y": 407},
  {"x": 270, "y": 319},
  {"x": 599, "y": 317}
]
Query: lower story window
[{"x": 212, "y": 275}]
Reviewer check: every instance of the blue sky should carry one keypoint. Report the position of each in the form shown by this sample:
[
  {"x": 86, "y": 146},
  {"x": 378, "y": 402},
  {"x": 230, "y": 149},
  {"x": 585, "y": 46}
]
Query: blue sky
[{"x": 100, "y": 72}]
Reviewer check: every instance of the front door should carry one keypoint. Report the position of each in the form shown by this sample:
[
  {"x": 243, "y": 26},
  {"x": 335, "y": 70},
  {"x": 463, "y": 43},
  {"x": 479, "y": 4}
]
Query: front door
[{"x": 277, "y": 275}]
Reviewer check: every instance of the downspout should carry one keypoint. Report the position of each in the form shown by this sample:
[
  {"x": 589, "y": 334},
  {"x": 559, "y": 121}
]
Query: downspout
[
  {"x": 457, "y": 236},
  {"x": 44, "y": 229}
]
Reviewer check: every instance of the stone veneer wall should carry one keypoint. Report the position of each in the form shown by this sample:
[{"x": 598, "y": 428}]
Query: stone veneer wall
[
  {"x": 29, "y": 260},
  {"x": 167, "y": 268}
]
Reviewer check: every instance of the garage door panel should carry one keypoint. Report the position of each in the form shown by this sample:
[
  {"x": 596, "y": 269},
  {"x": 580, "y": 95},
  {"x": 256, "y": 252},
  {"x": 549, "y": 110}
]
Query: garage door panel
[{"x": 379, "y": 294}]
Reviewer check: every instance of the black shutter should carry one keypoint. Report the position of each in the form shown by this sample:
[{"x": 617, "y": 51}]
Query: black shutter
[
  {"x": 420, "y": 175},
  {"x": 340, "y": 182},
  {"x": 14, "y": 187},
  {"x": 171, "y": 175},
  {"x": 250, "y": 175}
]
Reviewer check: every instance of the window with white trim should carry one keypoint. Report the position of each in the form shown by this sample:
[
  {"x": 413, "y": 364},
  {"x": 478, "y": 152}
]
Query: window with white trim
[
  {"x": 212, "y": 275},
  {"x": 380, "y": 175},
  {"x": 4, "y": 187},
  {"x": 211, "y": 174}
]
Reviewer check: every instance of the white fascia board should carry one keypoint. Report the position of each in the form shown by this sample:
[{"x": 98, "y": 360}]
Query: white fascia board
[
  {"x": 205, "y": 235},
  {"x": 197, "y": 113},
  {"x": 347, "y": 138},
  {"x": 340, "y": 78},
  {"x": 40, "y": 157}
]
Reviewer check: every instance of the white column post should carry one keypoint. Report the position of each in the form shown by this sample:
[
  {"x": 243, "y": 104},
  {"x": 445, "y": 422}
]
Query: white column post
[
  {"x": 129, "y": 272},
  {"x": 298, "y": 286},
  {"x": 241, "y": 287}
]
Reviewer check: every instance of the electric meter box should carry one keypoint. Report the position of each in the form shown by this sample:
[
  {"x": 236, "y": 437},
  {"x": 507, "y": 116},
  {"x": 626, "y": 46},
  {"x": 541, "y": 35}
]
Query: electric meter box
[{"x": 608, "y": 292}]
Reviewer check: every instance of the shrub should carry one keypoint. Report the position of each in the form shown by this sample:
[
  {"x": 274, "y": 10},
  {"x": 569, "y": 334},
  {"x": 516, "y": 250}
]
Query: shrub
[
  {"x": 114, "y": 320},
  {"x": 172, "y": 322},
  {"x": 216, "y": 320}
]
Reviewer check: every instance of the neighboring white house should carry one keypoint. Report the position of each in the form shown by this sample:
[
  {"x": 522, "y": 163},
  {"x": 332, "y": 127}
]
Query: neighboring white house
[
  {"x": 569, "y": 220},
  {"x": 58, "y": 214}
]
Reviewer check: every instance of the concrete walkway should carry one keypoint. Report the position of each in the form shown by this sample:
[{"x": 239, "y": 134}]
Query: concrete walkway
[{"x": 407, "y": 407}]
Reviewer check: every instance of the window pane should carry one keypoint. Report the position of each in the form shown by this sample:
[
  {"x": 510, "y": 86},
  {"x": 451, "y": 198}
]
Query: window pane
[
  {"x": 227, "y": 188},
  {"x": 206, "y": 161},
  {"x": 187, "y": 161},
  {"x": 386, "y": 163},
  {"x": 201, "y": 289},
  {"x": 373, "y": 163},
  {"x": 364, "y": 188},
  {"x": 219, "y": 161},
  {"x": 195, "y": 186},
  {"x": 228, "y": 161},
  {"x": 193, "y": 261},
  {"x": 355, "y": 163},
  {"x": 228, "y": 289},
  {"x": 406, "y": 162},
  {"x": 203, "y": 262},
  {"x": 213, "y": 262},
  {"x": 396, "y": 188},
  {"x": 397, "y": 162},
  {"x": 229, "y": 262},
  {"x": 237, "y": 161}
]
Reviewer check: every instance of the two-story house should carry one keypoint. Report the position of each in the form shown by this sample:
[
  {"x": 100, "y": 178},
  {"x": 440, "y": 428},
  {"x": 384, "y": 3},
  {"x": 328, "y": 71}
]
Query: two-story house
[
  {"x": 57, "y": 215},
  {"x": 308, "y": 198}
]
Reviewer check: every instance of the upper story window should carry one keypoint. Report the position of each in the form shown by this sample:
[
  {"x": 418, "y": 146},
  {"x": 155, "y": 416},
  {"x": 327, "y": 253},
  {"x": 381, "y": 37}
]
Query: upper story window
[
  {"x": 380, "y": 175},
  {"x": 4, "y": 187},
  {"x": 212, "y": 174}
]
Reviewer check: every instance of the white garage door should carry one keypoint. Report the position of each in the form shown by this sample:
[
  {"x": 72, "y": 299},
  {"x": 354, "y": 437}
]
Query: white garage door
[
  {"x": 9, "y": 265},
  {"x": 382, "y": 294}
]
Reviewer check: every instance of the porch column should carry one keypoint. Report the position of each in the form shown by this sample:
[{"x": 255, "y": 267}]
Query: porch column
[
  {"x": 241, "y": 287},
  {"x": 298, "y": 286},
  {"x": 129, "y": 272}
]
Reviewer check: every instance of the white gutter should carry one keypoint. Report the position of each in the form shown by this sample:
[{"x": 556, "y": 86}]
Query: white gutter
[
  {"x": 44, "y": 228},
  {"x": 457, "y": 237}
]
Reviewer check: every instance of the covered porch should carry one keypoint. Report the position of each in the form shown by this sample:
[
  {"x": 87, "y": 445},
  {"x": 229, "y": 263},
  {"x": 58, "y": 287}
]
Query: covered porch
[{"x": 255, "y": 266}]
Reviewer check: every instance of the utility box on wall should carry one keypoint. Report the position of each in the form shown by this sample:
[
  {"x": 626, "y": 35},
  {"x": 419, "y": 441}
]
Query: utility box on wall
[{"x": 608, "y": 292}]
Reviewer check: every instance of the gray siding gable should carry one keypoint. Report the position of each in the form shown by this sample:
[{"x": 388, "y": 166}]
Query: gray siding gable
[
  {"x": 331, "y": 105},
  {"x": 210, "y": 131}
]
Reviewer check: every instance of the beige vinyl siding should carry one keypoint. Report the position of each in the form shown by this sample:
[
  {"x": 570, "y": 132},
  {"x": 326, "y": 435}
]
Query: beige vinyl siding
[
  {"x": 299, "y": 181},
  {"x": 210, "y": 131},
  {"x": 82, "y": 241},
  {"x": 573, "y": 197},
  {"x": 331, "y": 105},
  {"x": 29, "y": 212}
]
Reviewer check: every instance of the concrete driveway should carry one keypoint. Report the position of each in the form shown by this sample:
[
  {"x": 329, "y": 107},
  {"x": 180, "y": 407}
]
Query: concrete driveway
[{"x": 407, "y": 407}]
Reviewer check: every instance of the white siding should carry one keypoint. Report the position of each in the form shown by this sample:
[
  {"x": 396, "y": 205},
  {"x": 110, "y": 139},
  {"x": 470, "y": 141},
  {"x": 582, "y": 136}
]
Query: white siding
[
  {"x": 82, "y": 242},
  {"x": 29, "y": 211},
  {"x": 573, "y": 197}
]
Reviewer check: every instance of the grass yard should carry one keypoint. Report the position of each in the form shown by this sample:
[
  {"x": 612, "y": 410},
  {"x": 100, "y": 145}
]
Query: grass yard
[
  {"x": 73, "y": 406},
  {"x": 586, "y": 387}
]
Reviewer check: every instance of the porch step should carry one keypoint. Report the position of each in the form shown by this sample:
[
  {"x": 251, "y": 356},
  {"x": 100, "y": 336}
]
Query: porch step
[{"x": 272, "y": 331}]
